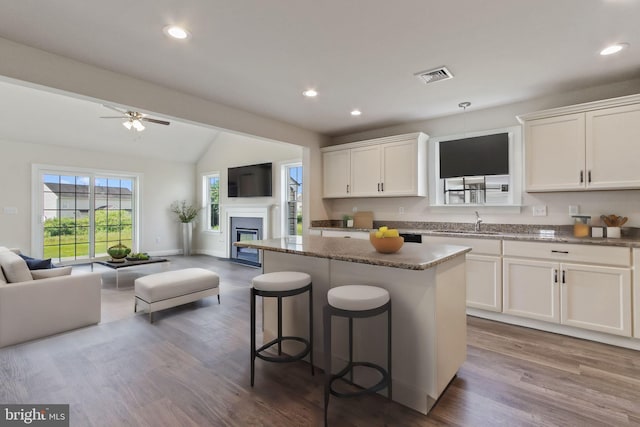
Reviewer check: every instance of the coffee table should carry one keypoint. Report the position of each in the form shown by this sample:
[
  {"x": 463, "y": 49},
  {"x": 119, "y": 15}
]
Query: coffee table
[{"x": 117, "y": 266}]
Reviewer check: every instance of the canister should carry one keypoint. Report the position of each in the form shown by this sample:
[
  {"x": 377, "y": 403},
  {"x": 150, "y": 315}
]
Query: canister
[{"x": 581, "y": 225}]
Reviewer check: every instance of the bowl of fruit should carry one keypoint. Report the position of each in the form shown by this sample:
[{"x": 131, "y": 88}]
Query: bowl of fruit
[{"x": 386, "y": 240}]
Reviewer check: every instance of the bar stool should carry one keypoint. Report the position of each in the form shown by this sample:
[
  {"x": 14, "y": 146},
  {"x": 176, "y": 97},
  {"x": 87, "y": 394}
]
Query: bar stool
[
  {"x": 355, "y": 301},
  {"x": 280, "y": 285}
]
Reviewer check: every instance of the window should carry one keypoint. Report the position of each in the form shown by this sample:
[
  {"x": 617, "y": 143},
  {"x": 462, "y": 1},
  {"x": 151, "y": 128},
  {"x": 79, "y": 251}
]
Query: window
[
  {"x": 212, "y": 200},
  {"x": 79, "y": 215},
  {"x": 293, "y": 198},
  {"x": 476, "y": 169}
]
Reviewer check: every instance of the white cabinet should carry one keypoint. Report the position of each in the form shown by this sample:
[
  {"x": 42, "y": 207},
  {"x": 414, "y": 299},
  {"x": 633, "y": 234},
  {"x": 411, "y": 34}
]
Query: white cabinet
[
  {"x": 384, "y": 167},
  {"x": 484, "y": 270},
  {"x": 613, "y": 147},
  {"x": 547, "y": 281},
  {"x": 531, "y": 289},
  {"x": 336, "y": 174},
  {"x": 554, "y": 153},
  {"x": 590, "y": 146},
  {"x": 348, "y": 234}
]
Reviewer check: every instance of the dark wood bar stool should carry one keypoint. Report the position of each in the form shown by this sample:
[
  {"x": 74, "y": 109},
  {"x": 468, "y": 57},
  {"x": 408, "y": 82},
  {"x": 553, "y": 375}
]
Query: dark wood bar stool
[
  {"x": 280, "y": 285},
  {"x": 355, "y": 301}
]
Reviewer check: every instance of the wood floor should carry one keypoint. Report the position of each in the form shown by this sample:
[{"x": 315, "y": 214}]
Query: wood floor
[{"x": 191, "y": 368}]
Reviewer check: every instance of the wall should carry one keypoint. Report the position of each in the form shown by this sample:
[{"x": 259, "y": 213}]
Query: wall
[
  {"x": 229, "y": 150},
  {"x": 162, "y": 183},
  {"x": 53, "y": 71},
  {"x": 625, "y": 203}
]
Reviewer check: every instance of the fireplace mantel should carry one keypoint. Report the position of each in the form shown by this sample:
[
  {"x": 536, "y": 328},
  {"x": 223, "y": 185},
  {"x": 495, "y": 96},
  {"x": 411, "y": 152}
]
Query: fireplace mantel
[{"x": 248, "y": 211}]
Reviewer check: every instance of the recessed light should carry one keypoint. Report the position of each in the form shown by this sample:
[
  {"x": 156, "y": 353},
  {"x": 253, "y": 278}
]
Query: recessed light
[
  {"x": 176, "y": 32},
  {"x": 356, "y": 112},
  {"x": 310, "y": 93},
  {"x": 614, "y": 48}
]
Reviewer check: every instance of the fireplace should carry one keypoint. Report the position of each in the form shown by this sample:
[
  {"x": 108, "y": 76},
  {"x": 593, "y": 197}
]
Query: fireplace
[{"x": 245, "y": 229}]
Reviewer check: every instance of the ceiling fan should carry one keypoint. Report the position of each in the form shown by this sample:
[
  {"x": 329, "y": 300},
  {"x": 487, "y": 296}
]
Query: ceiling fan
[{"x": 133, "y": 119}]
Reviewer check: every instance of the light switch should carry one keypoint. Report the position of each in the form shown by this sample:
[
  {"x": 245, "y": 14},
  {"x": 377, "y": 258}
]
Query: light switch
[
  {"x": 540, "y": 210},
  {"x": 574, "y": 210},
  {"x": 10, "y": 210}
]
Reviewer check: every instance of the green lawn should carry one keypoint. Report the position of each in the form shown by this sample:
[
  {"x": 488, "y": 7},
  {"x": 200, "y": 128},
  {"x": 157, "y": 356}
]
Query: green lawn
[{"x": 67, "y": 247}]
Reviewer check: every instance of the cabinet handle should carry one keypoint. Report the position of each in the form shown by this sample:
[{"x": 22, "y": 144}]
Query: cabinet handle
[
  {"x": 382, "y": 186},
  {"x": 347, "y": 188},
  {"x": 555, "y": 275},
  {"x": 378, "y": 187},
  {"x": 559, "y": 252},
  {"x": 589, "y": 176},
  {"x": 563, "y": 281},
  {"x": 581, "y": 177}
]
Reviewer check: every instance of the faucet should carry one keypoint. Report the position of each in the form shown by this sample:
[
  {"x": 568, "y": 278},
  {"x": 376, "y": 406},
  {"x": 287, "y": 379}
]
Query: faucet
[{"x": 478, "y": 222}]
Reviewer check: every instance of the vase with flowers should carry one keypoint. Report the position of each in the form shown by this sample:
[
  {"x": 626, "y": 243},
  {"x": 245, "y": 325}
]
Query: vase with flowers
[{"x": 187, "y": 214}]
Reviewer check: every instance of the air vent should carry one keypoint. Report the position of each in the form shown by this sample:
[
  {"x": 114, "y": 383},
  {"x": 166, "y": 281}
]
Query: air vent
[{"x": 435, "y": 75}]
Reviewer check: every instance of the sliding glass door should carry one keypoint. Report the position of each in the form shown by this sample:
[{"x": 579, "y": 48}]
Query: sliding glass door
[{"x": 84, "y": 214}]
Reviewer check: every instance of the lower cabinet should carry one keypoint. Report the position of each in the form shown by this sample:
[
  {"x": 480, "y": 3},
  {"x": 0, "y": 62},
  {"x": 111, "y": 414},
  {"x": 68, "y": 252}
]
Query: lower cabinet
[
  {"x": 484, "y": 270},
  {"x": 589, "y": 296},
  {"x": 484, "y": 282}
]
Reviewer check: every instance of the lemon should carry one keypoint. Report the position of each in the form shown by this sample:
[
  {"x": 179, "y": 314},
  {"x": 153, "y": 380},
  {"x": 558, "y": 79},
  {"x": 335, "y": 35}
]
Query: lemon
[
  {"x": 383, "y": 228},
  {"x": 379, "y": 234},
  {"x": 391, "y": 233}
]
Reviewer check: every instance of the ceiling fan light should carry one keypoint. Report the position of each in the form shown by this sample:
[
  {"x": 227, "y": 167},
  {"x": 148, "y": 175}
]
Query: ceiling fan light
[
  {"x": 127, "y": 124},
  {"x": 137, "y": 124}
]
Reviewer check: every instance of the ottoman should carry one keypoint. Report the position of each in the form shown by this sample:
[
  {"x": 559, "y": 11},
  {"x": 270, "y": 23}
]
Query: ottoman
[{"x": 171, "y": 288}]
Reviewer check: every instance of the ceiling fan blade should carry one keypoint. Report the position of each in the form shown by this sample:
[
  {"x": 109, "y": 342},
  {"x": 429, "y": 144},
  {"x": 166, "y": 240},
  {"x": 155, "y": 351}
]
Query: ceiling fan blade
[
  {"x": 111, "y": 107},
  {"x": 114, "y": 117},
  {"x": 160, "y": 122}
]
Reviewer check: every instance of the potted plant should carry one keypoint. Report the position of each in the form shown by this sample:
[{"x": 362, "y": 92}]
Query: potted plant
[{"x": 187, "y": 214}]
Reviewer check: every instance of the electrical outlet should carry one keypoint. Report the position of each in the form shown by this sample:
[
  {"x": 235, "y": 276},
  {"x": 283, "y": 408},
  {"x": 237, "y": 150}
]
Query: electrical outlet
[
  {"x": 574, "y": 209},
  {"x": 355, "y": 209},
  {"x": 401, "y": 210},
  {"x": 540, "y": 210},
  {"x": 157, "y": 239}
]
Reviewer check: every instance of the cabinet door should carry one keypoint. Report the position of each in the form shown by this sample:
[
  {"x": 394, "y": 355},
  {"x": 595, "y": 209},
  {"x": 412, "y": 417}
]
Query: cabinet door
[
  {"x": 484, "y": 282},
  {"x": 335, "y": 169},
  {"x": 400, "y": 169},
  {"x": 596, "y": 298},
  {"x": 530, "y": 289},
  {"x": 555, "y": 153},
  {"x": 365, "y": 171},
  {"x": 613, "y": 147}
]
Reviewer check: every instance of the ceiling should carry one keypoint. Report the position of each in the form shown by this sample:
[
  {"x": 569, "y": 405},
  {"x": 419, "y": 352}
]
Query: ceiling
[{"x": 260, "y": 55}]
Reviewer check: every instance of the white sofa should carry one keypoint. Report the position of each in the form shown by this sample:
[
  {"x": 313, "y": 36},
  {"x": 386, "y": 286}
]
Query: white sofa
[{"x": 33, "y": 307}]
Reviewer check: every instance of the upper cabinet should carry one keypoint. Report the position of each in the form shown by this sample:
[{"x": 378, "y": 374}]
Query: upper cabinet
[
  {"x": 591, "y": 146},
  {"x": 382, "y": 167}
]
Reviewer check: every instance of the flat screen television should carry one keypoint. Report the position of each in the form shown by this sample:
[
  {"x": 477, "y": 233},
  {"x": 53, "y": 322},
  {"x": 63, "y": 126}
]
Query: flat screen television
[
  {"x": 250, "y": 181},
  {"x": 475, "y": 156}
]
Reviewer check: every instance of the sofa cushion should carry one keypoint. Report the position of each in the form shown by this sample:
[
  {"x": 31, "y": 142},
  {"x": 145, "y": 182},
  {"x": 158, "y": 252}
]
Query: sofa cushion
[
  {"x": 51, "y": 272},
  {"x": 35, "y": 263},
  {"x": 14, "y": 268}
]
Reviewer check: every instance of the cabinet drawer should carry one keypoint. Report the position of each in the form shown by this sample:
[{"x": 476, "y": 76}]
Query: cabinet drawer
[
  {"x": 478, "y": 246},
  {"x": 565, "y": 252},
  {"x": 352, "y": 234}
]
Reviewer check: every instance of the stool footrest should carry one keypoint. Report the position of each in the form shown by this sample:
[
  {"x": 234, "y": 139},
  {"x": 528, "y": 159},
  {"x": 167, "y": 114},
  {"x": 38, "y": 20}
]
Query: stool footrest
[
  {"x": 285, "y": 358},
  {"x": 384, "y": 381}
]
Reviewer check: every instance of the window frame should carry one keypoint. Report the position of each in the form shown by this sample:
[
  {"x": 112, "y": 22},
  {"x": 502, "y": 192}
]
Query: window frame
[
  {"x": 436, "y": 186},
  {"x": 284, "y": 191},
  {"x": 206, "y": 201}
]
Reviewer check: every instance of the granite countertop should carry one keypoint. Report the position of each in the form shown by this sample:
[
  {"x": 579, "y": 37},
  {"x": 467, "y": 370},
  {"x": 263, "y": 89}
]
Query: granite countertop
[
  {"x": 411, "y": 256},
  {"x": 562, "y": 235}
]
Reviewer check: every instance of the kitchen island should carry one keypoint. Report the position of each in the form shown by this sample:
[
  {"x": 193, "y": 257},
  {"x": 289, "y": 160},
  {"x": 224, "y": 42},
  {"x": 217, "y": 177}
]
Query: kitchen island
[{"x": 427, "y": 288}]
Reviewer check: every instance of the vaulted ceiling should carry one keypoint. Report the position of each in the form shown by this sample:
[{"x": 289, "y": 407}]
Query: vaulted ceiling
[{"x": 260, "y": 56}]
